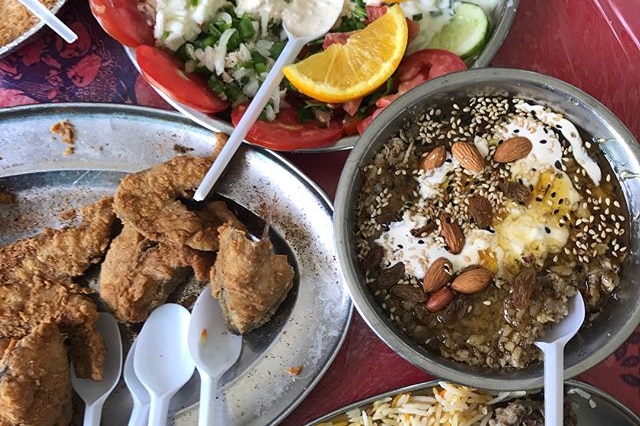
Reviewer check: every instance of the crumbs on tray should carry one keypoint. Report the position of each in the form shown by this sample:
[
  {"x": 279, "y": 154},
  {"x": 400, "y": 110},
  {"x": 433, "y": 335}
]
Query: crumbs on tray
[
  {"x": 295, "y": 370},
  {"x": 66, "y": 131}
]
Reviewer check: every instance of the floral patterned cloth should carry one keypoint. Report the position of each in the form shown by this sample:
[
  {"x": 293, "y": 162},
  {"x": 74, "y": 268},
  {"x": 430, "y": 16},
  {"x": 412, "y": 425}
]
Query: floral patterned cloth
[{"x": 97, "y": 69}]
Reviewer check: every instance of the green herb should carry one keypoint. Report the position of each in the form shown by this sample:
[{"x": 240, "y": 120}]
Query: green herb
[
  {"x": 355, "y": 21},
  {"x": 277, "y": 48},
  {"x": 234, "y": 42},
  {"x": 165, "y": 35},
  {"x": 194, "y": 3},
  {"x": 183, "y": 53},
  {"x": 245, "y": 27},
  {"x": 206, "y": 40}
]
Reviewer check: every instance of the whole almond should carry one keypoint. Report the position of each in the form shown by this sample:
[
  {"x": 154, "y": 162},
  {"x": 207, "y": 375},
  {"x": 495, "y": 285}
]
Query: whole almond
[
  {"x": 468, "y": 156},
  {"x": 438, "y": 275},
  {"x": 472, "y": 280},
  {"x": 481, "y": 211},
  {"x": 512, "y": 149},
  {"x": 452, "y": 233},
  {"x": 439, "y": 300},
  {"x": 434, "y": 159}
]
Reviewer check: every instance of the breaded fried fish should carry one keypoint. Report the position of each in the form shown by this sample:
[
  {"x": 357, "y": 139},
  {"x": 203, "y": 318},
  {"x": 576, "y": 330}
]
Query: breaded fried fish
[
  {"x": 36, "y": 284},
  {"x": 248, "y": 279},
  {"x": 35, "y": 386}
]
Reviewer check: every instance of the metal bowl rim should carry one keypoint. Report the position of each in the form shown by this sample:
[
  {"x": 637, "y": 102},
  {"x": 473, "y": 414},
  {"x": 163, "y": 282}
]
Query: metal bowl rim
[{"x": 393, "y": 337}]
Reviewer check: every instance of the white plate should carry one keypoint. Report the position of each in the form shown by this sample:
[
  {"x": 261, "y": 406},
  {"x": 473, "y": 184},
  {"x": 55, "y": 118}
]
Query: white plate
[{"x": 500, "y": 19}]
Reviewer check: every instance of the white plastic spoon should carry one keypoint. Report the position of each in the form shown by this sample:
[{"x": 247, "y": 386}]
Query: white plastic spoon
[
  {"x": 139, "y": 394},
  {"x": 552, "y": 346},
  {"x": 51, "y": 20},
  {"x": 214, "y": 350},
  {"x": 161, "y": 360},
  {"x": 94, "y": 393},
  {"x": 314, "y": 18}
]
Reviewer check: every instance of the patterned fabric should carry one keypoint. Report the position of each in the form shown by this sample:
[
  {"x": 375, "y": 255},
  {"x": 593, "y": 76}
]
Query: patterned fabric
[{"x": 93, "y": 69}]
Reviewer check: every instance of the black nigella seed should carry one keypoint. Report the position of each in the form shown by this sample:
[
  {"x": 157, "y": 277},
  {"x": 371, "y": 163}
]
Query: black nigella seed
[
  {"x": 558, "y": 164},
  {"x": 547, "y": 230},
  {"x": 543, "y": 141}
]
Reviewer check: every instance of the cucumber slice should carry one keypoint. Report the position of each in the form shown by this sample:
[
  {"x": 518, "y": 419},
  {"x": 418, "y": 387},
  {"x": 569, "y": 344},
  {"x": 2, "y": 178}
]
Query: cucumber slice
[{"x": 466, "y": 33}]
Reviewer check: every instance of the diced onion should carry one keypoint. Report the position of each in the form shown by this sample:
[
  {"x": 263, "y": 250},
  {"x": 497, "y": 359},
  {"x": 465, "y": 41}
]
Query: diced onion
[
  {"x": 221, "y": 50},
  {"x": 263, "y": 47}
]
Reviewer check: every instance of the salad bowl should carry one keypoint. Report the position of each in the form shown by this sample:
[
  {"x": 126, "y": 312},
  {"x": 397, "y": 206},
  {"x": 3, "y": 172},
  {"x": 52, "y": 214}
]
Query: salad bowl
[{"x": 339, "y": 134}]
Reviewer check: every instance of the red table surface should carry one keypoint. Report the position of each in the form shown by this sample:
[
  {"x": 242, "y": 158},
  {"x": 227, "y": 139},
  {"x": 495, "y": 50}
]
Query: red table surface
[{"x": 587, "y": 43}]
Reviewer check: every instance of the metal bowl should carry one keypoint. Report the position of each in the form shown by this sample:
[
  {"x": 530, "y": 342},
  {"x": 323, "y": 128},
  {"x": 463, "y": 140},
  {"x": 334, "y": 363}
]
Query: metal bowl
[
  {"x": 501, "y": 19},
  {"x": 622, "y": 313},
  {"x": 29, "y": 32}
]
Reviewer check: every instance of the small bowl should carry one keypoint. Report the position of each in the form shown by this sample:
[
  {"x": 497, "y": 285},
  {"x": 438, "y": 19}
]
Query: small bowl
[
  {"x": 622, "y": 314},
  {"x": 28, "y": 32}
]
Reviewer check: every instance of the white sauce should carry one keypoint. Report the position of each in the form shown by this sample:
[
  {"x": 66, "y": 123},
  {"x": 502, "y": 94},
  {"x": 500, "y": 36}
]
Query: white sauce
[
  {"x": 570, "y": 132},
  {"x": 401, "y": 246},
  {"x": 533, "y": 230},
  {"x": 431, "y": 182},
  {"x": 311, "y": 17}
]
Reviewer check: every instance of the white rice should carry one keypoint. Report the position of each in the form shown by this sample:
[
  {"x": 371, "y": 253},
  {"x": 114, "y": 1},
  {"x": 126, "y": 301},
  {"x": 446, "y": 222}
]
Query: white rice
[{"x": 450, "y": 404}]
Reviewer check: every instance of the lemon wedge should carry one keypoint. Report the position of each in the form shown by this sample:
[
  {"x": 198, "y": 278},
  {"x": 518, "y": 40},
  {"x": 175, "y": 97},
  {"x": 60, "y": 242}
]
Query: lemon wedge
[{"x": 348, "y": 71}]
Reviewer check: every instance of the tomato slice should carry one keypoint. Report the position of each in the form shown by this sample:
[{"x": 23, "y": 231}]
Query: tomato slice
[
  {"x": 414, "y": 70},
  {"x": 431, "y": 63},
  {"x": 166, "y": 73},
  {"x": 123, "y": 21},
  {"x": 286, "y": 133}
]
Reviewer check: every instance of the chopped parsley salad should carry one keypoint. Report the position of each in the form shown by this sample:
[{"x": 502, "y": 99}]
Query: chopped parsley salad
[{"x": 212, "y": 55}]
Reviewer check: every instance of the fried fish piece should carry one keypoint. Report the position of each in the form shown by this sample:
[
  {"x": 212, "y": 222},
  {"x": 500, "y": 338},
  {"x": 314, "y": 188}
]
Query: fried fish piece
[
  {"x": 61, "y": 253},
  {"x": 36, "y": 284},
  {"x": 139, "y": 274},
  {"x": 150, "y": 202},
  {"x": 35, "y": 386},
  {"x": 248, "y": 279}
]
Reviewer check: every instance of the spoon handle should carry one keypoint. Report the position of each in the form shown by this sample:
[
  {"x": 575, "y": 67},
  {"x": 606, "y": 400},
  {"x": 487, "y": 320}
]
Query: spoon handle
[
  {"x": 208, "y": 390},
  {"x": 553, "y": 385},
  {"x": 139, "y": 414},
  {"x": 288, "y": 55},
  {"x": 159, "y": 410},
  {"x": 93, "y": 413}
]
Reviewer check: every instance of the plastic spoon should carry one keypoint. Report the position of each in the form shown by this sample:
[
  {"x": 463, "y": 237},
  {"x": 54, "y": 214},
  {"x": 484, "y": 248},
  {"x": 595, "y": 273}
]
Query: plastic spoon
[
  {"x": 93, "y": 392},
  {"x": 51, "y": 20},
  {"x": 161, "y": 360},
  {"x": 318, "y": 23},
  {"x": 139, "y": 394},
  {"x": 213, "y": 348},
  {"x": 552, "y": 346}
]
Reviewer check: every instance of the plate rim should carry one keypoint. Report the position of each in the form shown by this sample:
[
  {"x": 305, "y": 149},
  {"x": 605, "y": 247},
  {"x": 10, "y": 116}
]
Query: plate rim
[{"x": 586, "y": 387}]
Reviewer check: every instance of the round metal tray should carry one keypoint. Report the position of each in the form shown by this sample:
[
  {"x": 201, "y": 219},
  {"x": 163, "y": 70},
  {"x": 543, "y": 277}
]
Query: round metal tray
[
  {"x": 112, "y": 140},
  {"x": 593, "y": 407}
]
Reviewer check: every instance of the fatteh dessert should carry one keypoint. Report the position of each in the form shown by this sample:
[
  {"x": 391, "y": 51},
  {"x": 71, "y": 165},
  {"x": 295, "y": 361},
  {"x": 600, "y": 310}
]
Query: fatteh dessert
[{"x": 478, "y": 222}]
